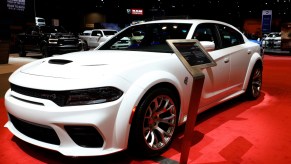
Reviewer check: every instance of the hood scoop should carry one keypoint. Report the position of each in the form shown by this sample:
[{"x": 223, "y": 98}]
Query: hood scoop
[{"x": 59, "y": 61}]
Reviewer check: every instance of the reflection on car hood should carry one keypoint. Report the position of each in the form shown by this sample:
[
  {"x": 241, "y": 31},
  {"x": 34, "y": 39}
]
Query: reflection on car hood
[{"x": 86, "y": 64}]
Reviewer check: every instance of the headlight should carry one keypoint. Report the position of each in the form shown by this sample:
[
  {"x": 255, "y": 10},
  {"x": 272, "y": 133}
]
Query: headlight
[
  {"x": 93, "y": 96},
  {"x": 53, "y": 41},
  {"x": 72, "y": 97}
]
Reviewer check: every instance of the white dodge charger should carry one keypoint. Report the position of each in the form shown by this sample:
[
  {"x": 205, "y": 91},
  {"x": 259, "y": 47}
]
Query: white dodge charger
[{"x": 100, "y": 102}]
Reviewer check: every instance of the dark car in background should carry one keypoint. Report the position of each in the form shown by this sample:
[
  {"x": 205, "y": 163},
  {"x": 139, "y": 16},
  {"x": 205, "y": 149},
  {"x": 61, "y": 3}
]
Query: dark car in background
[{"x": 48, "y": 40}]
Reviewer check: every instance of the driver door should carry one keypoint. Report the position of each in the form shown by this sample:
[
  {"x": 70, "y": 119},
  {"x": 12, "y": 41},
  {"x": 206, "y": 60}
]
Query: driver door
[
  {"x": 95, "y": 38},
  {"x": 217, "y": 77}
]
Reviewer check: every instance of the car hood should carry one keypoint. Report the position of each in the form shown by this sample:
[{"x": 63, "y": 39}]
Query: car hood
[{"x": 88, "y": 63}]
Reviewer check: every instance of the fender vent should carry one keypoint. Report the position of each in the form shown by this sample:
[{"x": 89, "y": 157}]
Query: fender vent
[{"x": 59, "y": 61}]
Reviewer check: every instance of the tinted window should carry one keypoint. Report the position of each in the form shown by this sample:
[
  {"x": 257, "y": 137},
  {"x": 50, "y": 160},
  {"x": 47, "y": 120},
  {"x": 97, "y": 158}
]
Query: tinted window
[
  {"x": 148, "y": 37},
  {"x": 229, "y": 36},
  {"x": 40, "y": 20},
  {"x": 206, "y": 32},
  {"x": 96, "y": 33},
  {"x": 273, "y": 35},
  {"x": 107, "y": 33}
]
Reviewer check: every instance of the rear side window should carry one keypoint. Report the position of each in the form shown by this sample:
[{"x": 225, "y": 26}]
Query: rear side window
[
  {"x": 229, "y": 36},
  {"x": 107, "y": 33}
]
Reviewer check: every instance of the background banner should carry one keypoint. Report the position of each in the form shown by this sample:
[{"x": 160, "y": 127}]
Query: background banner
[{"x": 266, "y": 21}]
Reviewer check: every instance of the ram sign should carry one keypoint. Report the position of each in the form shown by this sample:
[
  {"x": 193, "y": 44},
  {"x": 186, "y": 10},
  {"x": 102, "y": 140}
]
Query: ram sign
[{"x": 136, "y": 11}]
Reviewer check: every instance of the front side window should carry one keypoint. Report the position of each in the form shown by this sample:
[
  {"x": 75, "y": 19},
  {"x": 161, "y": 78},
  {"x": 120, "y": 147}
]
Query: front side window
[
  {"x": 229, "y": 36},
  {"x": 206, "y": 32},
  {"x": 96, "y": 33},
  {"x": 148, "y": 37},
  {"x": 274, "y": 35}
]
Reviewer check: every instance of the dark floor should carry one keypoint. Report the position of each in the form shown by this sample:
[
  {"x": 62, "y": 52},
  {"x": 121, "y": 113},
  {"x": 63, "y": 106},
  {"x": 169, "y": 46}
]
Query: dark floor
[{"x": 4, "y": 83}]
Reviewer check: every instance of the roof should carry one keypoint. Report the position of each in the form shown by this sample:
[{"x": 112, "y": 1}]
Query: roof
[{"x": 104, "y": 29}]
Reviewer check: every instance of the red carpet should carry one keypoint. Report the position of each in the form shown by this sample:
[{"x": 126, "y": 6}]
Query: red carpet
[{"x": 238, "y": 131}]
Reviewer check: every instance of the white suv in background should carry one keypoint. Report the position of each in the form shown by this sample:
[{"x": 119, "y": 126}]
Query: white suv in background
[
  {"x": 272, "y": 40},
  {"x": 94, "y": 37},
  {"x": 39, "y": 21}
]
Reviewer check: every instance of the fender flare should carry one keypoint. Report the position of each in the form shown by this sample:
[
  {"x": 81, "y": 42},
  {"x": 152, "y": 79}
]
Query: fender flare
[
  {"x": 137, "y": 90},
  {"x": 254, "y": 60}
]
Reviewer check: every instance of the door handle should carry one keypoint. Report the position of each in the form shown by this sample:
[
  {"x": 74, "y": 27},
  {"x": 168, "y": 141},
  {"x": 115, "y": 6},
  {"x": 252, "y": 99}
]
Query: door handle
[{"x": 226, "y": 60}]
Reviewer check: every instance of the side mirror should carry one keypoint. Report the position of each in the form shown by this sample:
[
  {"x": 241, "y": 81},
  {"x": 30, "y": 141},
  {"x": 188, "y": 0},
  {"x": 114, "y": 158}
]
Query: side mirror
[{"x": 208, "y": 45}]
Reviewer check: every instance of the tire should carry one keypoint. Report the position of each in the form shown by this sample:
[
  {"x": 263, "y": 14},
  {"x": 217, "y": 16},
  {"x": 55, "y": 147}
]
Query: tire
[
  {"x": 255, "y": 83},
  {"x": 45, "y": 51},
  {"x": 22, "y": 52},
  {"x": 152, "y": 129},
  {"x": 85, "y": 46}
]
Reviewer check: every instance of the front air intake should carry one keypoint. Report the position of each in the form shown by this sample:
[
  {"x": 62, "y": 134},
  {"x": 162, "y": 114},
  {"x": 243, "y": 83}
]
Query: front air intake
[
  {"x": 85, "y": 136},
  {"x": 38, "y": 132}
]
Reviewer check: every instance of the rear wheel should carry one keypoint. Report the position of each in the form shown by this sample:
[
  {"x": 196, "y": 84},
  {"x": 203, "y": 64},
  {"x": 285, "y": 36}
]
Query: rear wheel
[
  {"x": 255, "y": 83},
  {"x": 154, "y": 123}
]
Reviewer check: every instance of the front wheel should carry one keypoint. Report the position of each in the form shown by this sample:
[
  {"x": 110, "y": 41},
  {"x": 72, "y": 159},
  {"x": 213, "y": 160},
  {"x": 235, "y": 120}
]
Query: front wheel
[
  {"x": 21, "y": 48},
  {"x": 85, "y": 46},
  {"x": 45, "y": 51},
  {"x": 255, "y": 83},
  {"x": 154, "y": 123}
]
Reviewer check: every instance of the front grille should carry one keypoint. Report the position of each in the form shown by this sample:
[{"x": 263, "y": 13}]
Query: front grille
[
  {"x": 58, "y": 97},
  {"x": 38, "y": 132},
  {"x": 85, "y": 136}
]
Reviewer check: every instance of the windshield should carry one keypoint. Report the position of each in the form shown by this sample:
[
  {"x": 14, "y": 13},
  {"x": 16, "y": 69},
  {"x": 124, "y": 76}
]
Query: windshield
[
  {"x": 40, "y": 20},
  {"x": 53, "y": 29},
  {"x": 273, "y": 35},
  {"x": 148, "y": 37}
]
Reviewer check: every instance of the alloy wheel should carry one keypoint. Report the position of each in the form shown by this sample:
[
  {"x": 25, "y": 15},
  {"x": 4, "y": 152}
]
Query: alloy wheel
[
  {"x": 257, "y": 82},
  {"x": 159, "y": 122}
]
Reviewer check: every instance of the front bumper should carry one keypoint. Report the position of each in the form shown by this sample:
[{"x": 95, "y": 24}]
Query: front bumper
[
  {"x": 65, "y": 122},
  {"x": 271, "y": 44}
]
